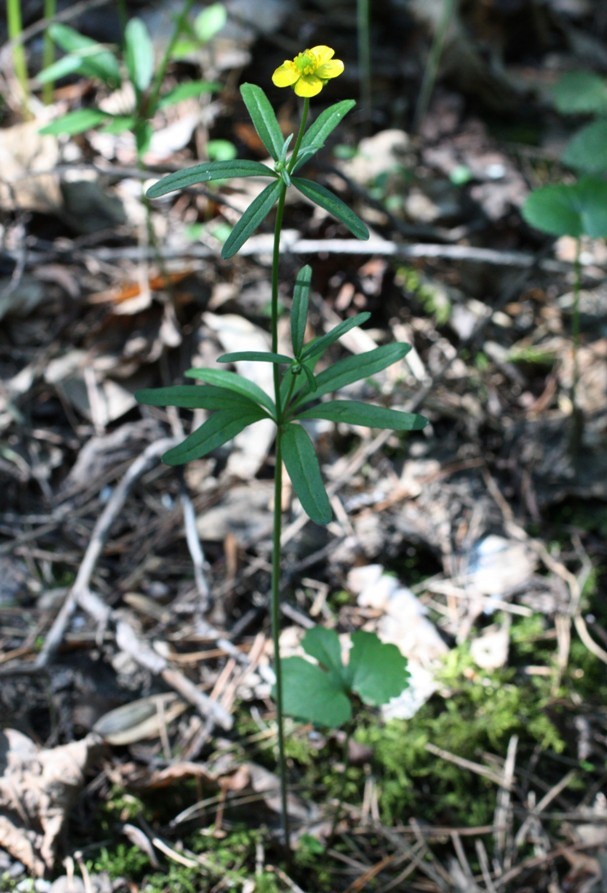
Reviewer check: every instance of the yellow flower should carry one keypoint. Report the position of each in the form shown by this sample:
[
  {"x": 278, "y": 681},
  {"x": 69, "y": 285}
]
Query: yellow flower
[{"x": 309, "y": 71}]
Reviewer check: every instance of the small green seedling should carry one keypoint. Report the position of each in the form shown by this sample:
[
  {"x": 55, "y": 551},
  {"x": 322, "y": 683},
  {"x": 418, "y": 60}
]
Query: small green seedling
[
  {"x": 134, "y": 64},
  {"x": 234, "y": 402},
  {"x": 571, "y": 209},
  {"x": 323, "y": 693}
]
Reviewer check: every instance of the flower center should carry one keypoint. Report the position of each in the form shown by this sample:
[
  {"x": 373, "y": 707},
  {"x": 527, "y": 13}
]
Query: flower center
[{"x": 306, "y": 63}]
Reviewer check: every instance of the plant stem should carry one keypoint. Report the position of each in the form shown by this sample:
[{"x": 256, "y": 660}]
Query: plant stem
[
  {"x": 277, "y": 527},
  {"x": 363, "y": 16},
  {"x": 277, "y": 522},
  {"x": 576, "y": 414},
  {"x": 432, "y": 65},
  {"x": 344, "y": 779},
  {"x": 48, "y": 49},
  {"x": 15, "y": 32}
]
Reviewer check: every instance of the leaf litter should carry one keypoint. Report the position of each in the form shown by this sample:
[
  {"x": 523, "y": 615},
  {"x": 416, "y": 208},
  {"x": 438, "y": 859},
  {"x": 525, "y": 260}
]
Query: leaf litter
[{"x": 450, "y": 546}]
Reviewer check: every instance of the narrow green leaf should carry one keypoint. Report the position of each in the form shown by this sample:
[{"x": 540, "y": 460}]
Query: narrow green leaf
[
  {"x": 326, "y": 199},
  {"x": 139, "y": 54},
  {"x": 236, "y": 383},
  {"x": 263, "y": 118},
  {"x": 76, "y": 122},
  {"x": 119, "y": 124},
  {"x": 354, "y": 412},
  {"x": 194, "y": 397},
  {"x": 60, "y": 69},
  {"x": 376, "y": 671},
  {"x": 355, "y": 368},
  {"x": 311, "y": 695},
  {"x": 94, "y": 59},
  {"x": 254, "y": 215},
  {"x": 299, "y": 309},
  {"x": 210, "y": 21},
  {"x": 319, "y": 130},
  {"x": 222, "y": 426},
  {"x": 302, "y": 466},
  {"x": 187, "y": 90},
  {"x": 317, "y": 346},
  {"x": 207, "y": 171},
  {"x": 255, "y": 356}
]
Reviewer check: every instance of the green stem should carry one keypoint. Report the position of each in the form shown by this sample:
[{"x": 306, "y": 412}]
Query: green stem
[
  {"x": 576, "y": 414},
  {"x": 433, "y": 63},
  {"x": 180, "y": 25},
  {"x": 15, "y": 34},
  {"x": 277, "y": 525},
  {"x": 363, "y": 16},
  {"x": 48, "y": 49},
  {"x": 300, "y": 133},
  {"x": 344, "y": 779}
]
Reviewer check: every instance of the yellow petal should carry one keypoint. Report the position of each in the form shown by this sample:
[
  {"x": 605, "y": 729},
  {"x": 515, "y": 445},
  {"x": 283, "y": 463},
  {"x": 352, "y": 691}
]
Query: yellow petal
[
  {"x": 331, "y": 69},
  {"x": 308, "y": 85},
  {"x": 322, "y": 54},
  {"x": 285, "y": 75}
]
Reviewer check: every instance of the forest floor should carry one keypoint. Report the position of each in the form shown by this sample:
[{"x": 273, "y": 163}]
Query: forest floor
[{"x": 477, "y": 545}]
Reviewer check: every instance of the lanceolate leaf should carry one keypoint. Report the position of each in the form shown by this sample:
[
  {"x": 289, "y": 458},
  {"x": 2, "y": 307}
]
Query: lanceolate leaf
[
  {"x": 303, "y": 469},
  {"x": 317, "y": 347},
  {"x": 139, "y": 54},
  {"x": 326, "y": 199},
  {"x": 255, "y": 356},
  {"x": 222, "y": 378},
  {"x": 257, "y": 211},
  {"x": 193, "y": 397},
  {"x": 207, "y": 171},
  {"x": 354, "y": 412},
  {"x": 187, "y": 90},
  {"x": 354, "y": 368},
  {"x": 222, "y": 426},
  {"x": 320, "y": 129},
  {"x": 94, "y": 60},
  {"x": 263, "y": 118},
  {"x": 76, "y": 122},
  {"x": 299, "y": 309}
]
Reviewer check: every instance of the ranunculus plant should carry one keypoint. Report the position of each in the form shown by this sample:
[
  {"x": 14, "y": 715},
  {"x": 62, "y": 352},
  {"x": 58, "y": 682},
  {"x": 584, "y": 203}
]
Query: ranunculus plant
[{"x": 375, "y": 671}]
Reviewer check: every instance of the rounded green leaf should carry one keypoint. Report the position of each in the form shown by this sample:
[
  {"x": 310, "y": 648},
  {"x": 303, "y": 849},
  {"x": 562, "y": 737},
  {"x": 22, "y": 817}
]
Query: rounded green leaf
[
  {"x": 376, "y": 671},
  {"x": 576, "y": 209},
  {"x": 312, "y": 695},
  {"x": 324, "y": 645},
  {"x": 581, "y": 92},
  {"x": 587, "y": 150}
]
